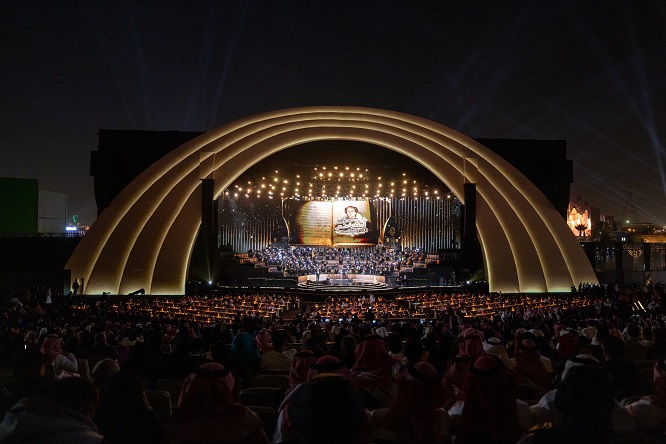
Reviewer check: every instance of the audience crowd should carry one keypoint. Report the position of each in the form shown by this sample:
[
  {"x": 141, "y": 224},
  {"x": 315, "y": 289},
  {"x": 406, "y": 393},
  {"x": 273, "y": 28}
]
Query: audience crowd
[{"x": 424, "y": 367}]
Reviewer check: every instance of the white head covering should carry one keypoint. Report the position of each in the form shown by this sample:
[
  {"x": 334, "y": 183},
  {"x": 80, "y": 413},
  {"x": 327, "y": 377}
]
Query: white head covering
[
  {"x": 579, "y": 360},
  {"x": 536, "y": 332}
]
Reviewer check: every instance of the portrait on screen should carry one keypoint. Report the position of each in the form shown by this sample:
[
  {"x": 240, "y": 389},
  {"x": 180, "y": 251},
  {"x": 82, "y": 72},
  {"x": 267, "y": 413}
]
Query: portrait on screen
[
  {"x": 332, "y": 223},
  {"x": 351, "y": 223}
]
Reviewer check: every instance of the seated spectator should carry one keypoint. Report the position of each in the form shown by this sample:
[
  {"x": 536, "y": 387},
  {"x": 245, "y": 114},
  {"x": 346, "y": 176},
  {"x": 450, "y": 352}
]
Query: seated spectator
[
  {"x": 635, "y": 350},
  {"x": 493, "y": 346},
  {"x": 585, "y": 399},
  {"x": 567, "y": 342},
  {"x": 102, "y": 372},
  {"x": 326, "y": 409},
  {"x": 196, "y": 356},
  {"x": 376, "y": 372},
  {"x": 490, "y": 410},
  {"x": 328, "y": 364},
  {"x": 263, "y": 340},
  {"x": 471, "y": 342},
  {"x": 649, "y": 412},
  {"x": 300, "y": 366},
  {"x": 454, "y": 379},
  {"x": 414, "y": 351},
  {"x": 60, "y": 363},
  {"x": 207, "y": 412},
  {"x": 546, "y": 409},
  {"x": 28, "y": 378},
  {"x": 316, "y": 366},
  {"x": 316, "y": 343},
  {"x": 591, "y": 329},
  {"x": 438, "y": 352},
  {"x": 348, "y": 350},
  {"x": 543, "y": 344},
  {"x": 157, "y": 363},
  {"x": 416, "y": 415},
  {"x": 102, "y": 349},
  {"x": 244, "y": 359},
  {"x": 130, "y": 339},
  {"x": 123, "y": 414},
  {"x": 513, "y": 343},
  {"x": 628, "y": 380},
  {"x": 529, "y": 367},
  {"x": 277, "y": 359},
  {"x": 657, "y": 349},
  {"x": 73, "y": 345},
  {"x": 394, "y": 345},
  {"x": 65, "y": 417},
  {"x": 136, "y": 360}
]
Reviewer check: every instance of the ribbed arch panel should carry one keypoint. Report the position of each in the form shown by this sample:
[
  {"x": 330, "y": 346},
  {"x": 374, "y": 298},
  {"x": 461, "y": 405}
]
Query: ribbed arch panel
[{"x": 144, "y": 239}]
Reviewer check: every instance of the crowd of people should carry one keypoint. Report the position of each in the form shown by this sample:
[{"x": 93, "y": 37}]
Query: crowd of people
[
  {"x": 303, "y": 260},
  {"x": 461, "y": 368}
]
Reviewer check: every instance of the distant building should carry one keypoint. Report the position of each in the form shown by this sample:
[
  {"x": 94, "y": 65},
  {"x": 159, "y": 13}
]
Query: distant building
[
  {"x": 33, "y": 239},
  {"x": 25, "y": 209}
]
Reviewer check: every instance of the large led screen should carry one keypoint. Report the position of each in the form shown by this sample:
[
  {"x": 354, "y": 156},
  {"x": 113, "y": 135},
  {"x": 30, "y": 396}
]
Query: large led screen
[{"x": 332, "y": 223}]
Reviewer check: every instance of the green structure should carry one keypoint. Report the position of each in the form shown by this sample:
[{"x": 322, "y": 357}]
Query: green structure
[{"x": 19, "y": 199}]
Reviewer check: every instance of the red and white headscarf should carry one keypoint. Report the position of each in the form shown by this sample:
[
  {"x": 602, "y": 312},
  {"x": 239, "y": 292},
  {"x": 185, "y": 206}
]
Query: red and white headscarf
[
  {"x": 454, "y": 379},
  {"x": 327, "y": 364},
  {"x": 372, "y": 360},
  {"x": 51, "y": 347},
  {"x": 375, "y": 370},
  {"x": 207, "y": 391},
  {"x": 489, "y": 410},
  {"x": 300, "y": 366},
  {"x": 659, "y": 369},
  {"x": 413, "y": 415},
  {"x": 263, "y": 341},
  {"x": 472, "y": 343},
  {"x": 207, "y": 412},
  {"x": 529, "y": 365}
]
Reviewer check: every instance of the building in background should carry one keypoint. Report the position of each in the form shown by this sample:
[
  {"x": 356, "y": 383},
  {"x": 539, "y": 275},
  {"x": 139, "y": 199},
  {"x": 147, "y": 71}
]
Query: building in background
[
  {"x": 19, "y": 205},
  {"x": 34, "y": 239}
]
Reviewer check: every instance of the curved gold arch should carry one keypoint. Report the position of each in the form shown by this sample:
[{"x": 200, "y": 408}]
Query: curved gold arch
[{"x": 144, "y": 239}]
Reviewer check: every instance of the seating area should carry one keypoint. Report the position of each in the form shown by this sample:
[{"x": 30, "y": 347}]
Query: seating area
[{"x": 149, "y": 339}]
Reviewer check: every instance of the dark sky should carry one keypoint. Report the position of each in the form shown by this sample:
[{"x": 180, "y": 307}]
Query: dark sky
[{"x": 591, "y": 73}]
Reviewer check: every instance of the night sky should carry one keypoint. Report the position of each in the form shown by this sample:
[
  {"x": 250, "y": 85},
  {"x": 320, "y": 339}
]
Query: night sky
[{"x": 590, "y": 73}]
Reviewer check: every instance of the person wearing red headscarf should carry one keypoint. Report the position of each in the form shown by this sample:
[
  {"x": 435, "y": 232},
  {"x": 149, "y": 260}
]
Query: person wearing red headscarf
[
  {"x": 471, "y": 342},
  {"x": 529, "y": 367},
  {"x": 454, "y": 378},
  {"x": 316, "y": 366},
  {"x": 566, "y": 344},
  {"x": 649, "y": 412},
  {"x": 376, "y": 372},
  {"x": 300, "y": 366},
  {"x": 416, "y": 414},
  {"x": 490, "y": 410},
  {"x": 263, "y": 340},
  {"x": 207, "y": 412},
  {"x": 328, "y": 364},
  {"x": 326, "y": 409},
  {"x": 63, "y": 364}
]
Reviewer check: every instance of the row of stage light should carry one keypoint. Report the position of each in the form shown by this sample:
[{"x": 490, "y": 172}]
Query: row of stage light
[{"x": 335, "y": 183}]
